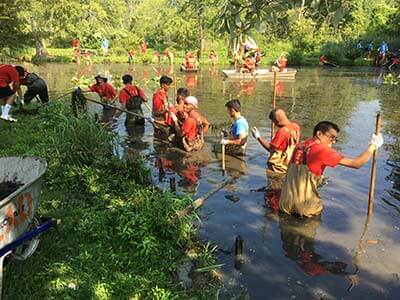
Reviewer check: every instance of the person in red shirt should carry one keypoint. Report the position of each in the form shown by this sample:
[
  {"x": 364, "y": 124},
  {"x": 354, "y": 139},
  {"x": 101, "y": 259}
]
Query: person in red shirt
[
  {"x": 10, "y": 80},
  {"x": 283, "y": 143},
  {"x": 280, "y": 64},
  {"x": 131, "y": 98},
  {"x": 105, "y": 90},
  {"x": 249, "y": 65},
  {"x": 193, "y": 128},
  {"x": 160, "y": 101},
  {"x": 178, "y": 108},
  {"x": 76, "y": 52},
  {"x": 143, "y": 47},
  {"x": 299, "y": 194}
]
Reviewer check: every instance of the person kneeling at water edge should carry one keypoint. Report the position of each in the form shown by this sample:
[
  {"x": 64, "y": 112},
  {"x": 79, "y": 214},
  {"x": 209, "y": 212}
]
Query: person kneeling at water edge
[
  {"x": 36, "y": 87},
  {"x": 131, "y": 98},
  {"x": 193, "y": 128},
  {"x": 10, "y": 77},
  {"x": 305, "y": 174},
  {"x": 236, "y": 140}
]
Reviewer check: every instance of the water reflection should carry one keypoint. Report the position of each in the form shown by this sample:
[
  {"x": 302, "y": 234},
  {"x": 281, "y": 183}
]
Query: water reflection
[{"x": 298, "y": 243}]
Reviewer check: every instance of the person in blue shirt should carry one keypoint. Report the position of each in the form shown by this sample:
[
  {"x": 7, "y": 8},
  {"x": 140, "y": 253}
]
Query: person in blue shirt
[
  {"x": 382, "y": 50},
  {"x": 237, "y": 138},
  {"x": 104, "y": 46},
  {"x": 370, "y": 47},
  {"x": 359, "y": 45}
]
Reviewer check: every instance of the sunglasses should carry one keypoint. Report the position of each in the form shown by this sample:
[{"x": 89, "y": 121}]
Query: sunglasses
[{"x": 332, "y": 137}]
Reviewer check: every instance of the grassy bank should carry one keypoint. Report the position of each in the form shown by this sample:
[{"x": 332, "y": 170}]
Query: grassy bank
[{"x": 117, "y": 239}]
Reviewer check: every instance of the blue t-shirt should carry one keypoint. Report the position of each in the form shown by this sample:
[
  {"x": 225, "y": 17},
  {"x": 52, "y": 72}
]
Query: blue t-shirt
[
  {"x": 240, "y": 127},
  {"x": 105, "y": 43}
]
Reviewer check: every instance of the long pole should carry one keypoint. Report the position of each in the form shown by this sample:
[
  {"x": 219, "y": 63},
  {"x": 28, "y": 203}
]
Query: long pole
[
  {"x": 273, "y": 106},
  {"x": 223, "y": 157},
  {"x": 373, "y": 169},
  {"x": 175, "y": 89}
]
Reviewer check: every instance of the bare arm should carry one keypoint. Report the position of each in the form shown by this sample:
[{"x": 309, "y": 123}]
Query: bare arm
[
  {"x": 358, "y": 161},
  {"x": 239, "y": 141},
  {"x": 266, "y": 145}
]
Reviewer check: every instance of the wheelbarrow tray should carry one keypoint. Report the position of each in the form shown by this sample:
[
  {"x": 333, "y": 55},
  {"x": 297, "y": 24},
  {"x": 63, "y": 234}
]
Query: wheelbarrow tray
[{"x": 18, "y": 209}]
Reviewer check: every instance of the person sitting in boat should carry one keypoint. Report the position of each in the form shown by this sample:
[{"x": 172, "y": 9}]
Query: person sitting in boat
[
  {"x": 213, "y": 57},
  {"x": 280, "y": 64},
  {"x": 236, "y": 139},
  {"x": 105, "y": 90},
  {"x": 160, "y": 104},
  {"x": 191, "y": 133},
  {"x": 190, "y": 62},
  {"x": 131, "y": 98},
  {"x": 310, "y": 158},
  {"x": 249, "y": 65}
]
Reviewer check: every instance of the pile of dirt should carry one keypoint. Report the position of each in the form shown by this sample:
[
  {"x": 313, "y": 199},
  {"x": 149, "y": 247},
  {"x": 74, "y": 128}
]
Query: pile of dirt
[{"x": 9, "y": 187}]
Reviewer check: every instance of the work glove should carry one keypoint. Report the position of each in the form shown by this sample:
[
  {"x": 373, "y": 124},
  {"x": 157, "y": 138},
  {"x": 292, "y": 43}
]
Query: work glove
[
  {"x": 255, "y": 133},
  {"x": 224, "y": 142},
  {"x": 174, "y": 117},
  {"x": 376, "y": 140}
]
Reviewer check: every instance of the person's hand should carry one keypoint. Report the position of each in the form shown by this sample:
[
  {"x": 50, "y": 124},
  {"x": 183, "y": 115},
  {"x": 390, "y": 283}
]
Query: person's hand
[
  {"x": 224, "y": 142},
  {"x": 174, "y": 117},
  {"x": 255, "y": 133},
  {"x": 151, "y": 119},
  {"x": 22, "y": 101},
  {"x": 376, "y": 140}
]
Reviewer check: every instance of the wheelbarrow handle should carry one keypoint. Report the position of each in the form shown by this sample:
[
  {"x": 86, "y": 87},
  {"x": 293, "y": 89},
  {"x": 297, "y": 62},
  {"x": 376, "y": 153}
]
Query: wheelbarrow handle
[{"x": 46, "y": 225}]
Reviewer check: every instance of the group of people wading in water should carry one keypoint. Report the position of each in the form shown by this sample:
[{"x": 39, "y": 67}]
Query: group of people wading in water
[{"x": 294, "y": 169}]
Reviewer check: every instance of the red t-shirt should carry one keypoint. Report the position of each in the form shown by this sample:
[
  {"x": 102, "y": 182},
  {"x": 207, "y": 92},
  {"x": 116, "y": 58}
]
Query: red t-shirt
[
  {"x": 282, "y": 64},
  {"x": 159, "y": 97},
  {"x": 189, "y": 127},
  {"x": 8, "y": 74},
  {"x": 282, "y": 136},
  {"x": 105, "y": 90},
  {"x": 75, "y": 43},
  {"x": 319, "y": 156},
  {"x": 128, "y": 92},
  {"x": 143, "y": 47}
]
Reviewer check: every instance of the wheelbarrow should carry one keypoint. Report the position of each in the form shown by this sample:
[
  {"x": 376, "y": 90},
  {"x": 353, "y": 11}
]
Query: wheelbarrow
[{"x": 19, "y": 228}]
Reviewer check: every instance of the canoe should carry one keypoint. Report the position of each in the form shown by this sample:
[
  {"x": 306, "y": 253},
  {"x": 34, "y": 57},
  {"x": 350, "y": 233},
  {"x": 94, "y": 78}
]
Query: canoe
[{"x": 263, "y": 74}]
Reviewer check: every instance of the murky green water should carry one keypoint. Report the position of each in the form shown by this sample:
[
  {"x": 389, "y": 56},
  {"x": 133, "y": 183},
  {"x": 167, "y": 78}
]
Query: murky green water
[{"x": 333, "y": 257}]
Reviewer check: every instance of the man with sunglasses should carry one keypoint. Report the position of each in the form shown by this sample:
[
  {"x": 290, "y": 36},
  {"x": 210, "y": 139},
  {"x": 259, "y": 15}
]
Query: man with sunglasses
[{"x": 310, "y": 158}]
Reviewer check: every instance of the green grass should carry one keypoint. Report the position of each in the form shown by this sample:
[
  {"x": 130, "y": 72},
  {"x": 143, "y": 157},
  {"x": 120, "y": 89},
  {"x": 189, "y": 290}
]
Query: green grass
[{"x": 117, "y": 239}]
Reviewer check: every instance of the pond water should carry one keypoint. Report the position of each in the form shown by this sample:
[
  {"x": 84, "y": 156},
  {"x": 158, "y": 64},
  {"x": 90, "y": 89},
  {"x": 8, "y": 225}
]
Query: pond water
[{"x": 342, "y": 254}]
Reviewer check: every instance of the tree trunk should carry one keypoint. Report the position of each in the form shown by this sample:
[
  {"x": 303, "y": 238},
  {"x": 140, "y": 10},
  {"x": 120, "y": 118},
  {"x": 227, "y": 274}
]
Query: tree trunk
[
  {"x": 40, "y": 44},
  {"x": 202, "y": 40}
]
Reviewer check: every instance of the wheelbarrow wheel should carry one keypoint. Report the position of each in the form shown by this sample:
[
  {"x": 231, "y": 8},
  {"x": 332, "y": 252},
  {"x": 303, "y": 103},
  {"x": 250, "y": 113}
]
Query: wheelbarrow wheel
[{"x": 28, "y": 247}]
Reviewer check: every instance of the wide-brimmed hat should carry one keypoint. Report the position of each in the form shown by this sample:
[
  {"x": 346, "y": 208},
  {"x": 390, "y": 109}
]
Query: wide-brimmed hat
[{"x": 102, "y": 76}]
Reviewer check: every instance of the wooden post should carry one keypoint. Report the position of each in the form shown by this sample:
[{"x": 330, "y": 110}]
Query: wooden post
[
  {"x": 373, "y": 169},
  {"x": 223, "y": 157},
  {"x": 175, "y": 87},
  {"x": 273, "y": 106}
]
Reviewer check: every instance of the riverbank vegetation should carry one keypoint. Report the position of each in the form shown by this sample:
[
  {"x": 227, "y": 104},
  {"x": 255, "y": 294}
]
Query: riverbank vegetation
[
  {"x": 117, "y": 238},
  {"x": 302, "y": 29}
]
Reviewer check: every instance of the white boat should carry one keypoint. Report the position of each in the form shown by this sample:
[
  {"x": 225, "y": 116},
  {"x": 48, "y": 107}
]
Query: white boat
[{"x": 263, "y": 74}]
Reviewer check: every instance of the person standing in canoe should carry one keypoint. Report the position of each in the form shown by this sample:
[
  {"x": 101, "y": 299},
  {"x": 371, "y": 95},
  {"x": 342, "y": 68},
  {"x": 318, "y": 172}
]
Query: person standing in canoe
[
  {"x": 105, "y": 90},
  {"x": 281, "y": 148},
  {"x": 10, "y": 80},
  {"x": 280, "y": 64},
  {"x": 36, "y": 87},
  {"x": 236, "y": 140},
  {"x": 131, "y": 98},
  {"x": 310, "y": 158},
  {"x": 194, "y": 126}
]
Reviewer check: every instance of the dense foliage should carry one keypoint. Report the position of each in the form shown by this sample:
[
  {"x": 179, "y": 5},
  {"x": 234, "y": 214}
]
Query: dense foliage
[{"x": 307, "y": 26}]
